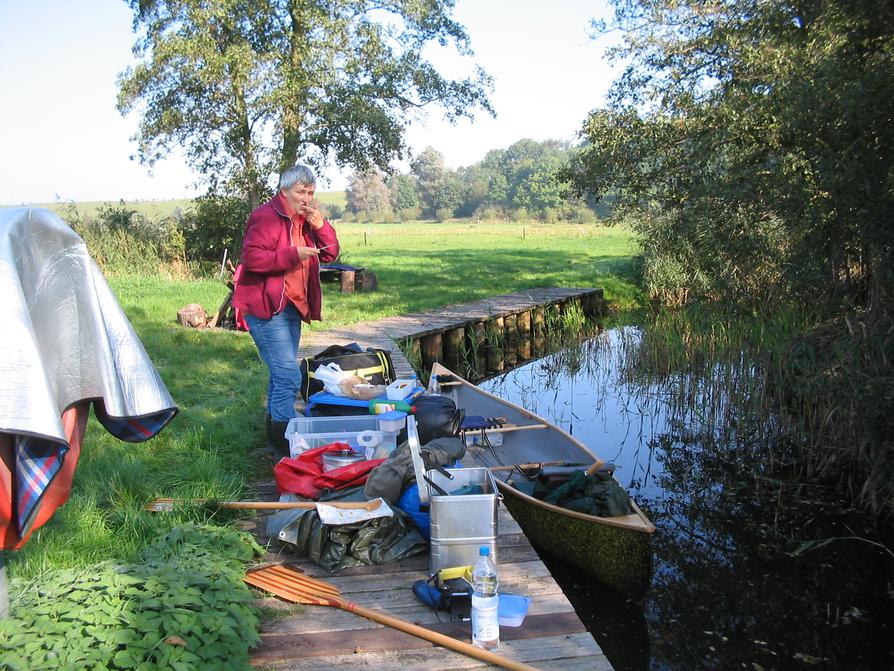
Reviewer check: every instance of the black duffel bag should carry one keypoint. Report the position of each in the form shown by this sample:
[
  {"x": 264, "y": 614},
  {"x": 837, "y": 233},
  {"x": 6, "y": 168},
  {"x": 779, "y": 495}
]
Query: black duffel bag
[
  {"x": 436, "y": 417},
  {"x": 373, "y": 364}
]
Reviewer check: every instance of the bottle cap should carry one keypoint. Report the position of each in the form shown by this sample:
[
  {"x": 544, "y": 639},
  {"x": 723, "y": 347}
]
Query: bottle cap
[{"x": 484, "y": 550}]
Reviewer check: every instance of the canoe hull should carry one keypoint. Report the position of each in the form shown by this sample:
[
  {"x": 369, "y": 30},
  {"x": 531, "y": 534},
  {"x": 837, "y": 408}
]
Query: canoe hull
[
  {"x": 617, "y": 557},
  {"x": 615, "y": 550}
]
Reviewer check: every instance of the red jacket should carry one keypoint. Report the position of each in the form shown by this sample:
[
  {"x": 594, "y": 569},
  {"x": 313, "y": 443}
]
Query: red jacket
[{"x": 267, "y": 254}]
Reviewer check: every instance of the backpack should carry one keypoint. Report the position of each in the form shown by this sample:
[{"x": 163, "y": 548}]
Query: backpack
[{"x": 373, "y": 364}]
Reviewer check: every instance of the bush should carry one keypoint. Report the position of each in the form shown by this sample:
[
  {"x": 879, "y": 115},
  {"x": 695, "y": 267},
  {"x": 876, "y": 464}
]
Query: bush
[
  {"x": 122, "y": 241},
  {"x": 216, "y": 224},
  {"x": 183, "y": 605},
  {"x": 409, "y": 214},
  {"x": 442, "y": 214}
]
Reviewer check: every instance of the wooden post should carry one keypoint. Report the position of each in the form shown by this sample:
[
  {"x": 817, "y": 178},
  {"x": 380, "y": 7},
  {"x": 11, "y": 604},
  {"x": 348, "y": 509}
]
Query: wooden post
[
  {"x": 477, "y": 333},
  {"x": 454, "y": 342},
  {"x": 510, "y": 337},
  {"x": 368, "y": 281},
  {"x": 347, "y": 281},
  {"x": 495, "y": 344},
  {"x": 537, "y": 326},
  {"x": 431, "y": 349},
  {"x": 524, "y": 335},
  {"x": 416, "y": 352}
]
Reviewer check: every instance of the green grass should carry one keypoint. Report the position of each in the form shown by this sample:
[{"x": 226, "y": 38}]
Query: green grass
[{"x": 424, "y": 265}]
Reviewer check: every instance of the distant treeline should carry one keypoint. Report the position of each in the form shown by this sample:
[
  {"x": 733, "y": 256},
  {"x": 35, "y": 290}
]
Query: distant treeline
[{"x": 519, "y": 183}]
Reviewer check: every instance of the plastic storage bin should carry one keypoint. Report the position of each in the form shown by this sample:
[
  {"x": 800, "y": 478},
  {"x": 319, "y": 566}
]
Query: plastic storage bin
[
  {"x": 361, "y": 432},
  {"x": 512, "y": 609},
  {"x": 399, "y": 389},
  {"x": 462, "y": 522},
  {"x": 392, "y": 421}
]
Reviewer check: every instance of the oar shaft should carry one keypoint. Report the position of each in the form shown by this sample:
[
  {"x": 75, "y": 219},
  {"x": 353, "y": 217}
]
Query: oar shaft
[
  {"x": 507, "y": 429},
  {"x": 435, "y": 637},
  {"x": 285, "y": 505},
  {"x": 168, "y": 504},
  {"x": 536, "y": 464}
]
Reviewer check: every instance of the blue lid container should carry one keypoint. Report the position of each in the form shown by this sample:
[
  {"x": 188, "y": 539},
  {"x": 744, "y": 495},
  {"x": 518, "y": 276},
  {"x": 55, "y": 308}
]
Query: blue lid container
[{"x": 392, "y": 421}]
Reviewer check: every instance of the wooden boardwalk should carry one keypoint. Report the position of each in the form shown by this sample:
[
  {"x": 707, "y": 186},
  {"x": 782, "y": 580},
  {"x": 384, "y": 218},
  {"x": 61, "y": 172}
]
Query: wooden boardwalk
[
  {"x": 320, "y": 638},
  {"x": 382, "y": 333}
]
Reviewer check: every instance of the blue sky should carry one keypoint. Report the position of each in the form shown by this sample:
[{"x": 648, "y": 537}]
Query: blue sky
[{"x": 61, "y": 137}]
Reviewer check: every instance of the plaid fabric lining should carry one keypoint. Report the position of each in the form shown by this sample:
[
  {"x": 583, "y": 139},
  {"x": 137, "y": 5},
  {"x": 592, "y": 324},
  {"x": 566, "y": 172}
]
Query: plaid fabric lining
[
  {"x": 134, "y": 429},
  {"x": 37, "y": 463},
  {"x": 39, "y": 460}
]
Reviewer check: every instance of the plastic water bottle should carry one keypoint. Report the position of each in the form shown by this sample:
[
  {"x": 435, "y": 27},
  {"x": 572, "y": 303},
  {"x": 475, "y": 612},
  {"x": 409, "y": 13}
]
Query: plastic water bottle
[
  {"x": 434, "y": 386},
  {"x": 485, "y": 602}
]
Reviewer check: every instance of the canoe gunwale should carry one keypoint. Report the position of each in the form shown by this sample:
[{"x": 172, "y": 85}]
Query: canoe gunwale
[{"x": 645, "y": 526}]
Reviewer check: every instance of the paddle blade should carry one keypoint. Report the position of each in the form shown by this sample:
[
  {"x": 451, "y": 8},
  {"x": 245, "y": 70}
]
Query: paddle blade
[{"x": 294, "y": 585}]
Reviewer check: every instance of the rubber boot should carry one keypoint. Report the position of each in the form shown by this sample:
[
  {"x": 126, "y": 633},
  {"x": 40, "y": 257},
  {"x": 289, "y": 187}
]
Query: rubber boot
[{"x": 278, "y": 438}]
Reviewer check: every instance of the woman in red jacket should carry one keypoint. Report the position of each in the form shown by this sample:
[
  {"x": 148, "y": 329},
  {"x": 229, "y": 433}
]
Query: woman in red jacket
[{"x": 279, "y": 286}]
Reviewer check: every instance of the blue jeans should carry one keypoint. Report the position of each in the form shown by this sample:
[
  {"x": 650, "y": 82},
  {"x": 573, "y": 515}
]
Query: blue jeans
[{"x": 277, "y": 340}]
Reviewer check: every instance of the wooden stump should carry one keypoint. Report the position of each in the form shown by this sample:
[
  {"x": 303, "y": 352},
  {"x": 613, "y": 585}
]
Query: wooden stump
[
  {"x": 524, "y": 335},
  {"x": 454, "y": 344},
  {"x": 368, "y": 281},
  {"x": 192, "y": 315},
  {"x": 347, "y": 281},
  {"x": 495, "y": 345}
]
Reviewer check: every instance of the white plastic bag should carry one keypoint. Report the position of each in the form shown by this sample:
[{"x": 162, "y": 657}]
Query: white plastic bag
[{"x": 331, "y": 375}]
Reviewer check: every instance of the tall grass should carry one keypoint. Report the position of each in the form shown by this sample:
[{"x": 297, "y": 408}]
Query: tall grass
[{"x": 779, "y": 379}]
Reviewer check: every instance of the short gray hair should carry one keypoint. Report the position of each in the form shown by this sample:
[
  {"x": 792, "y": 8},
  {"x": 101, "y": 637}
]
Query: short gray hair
[{"x": 297, "y": 173}]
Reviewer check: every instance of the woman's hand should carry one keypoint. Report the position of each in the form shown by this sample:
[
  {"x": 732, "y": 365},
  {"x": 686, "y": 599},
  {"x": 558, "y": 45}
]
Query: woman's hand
[
  {"x": 313, "y": 216},
  {"x": 305, "y": 253}
]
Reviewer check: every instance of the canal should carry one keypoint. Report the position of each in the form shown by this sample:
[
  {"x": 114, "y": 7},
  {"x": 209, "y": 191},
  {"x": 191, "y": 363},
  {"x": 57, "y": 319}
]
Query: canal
[{"x": 754, "y": 568}]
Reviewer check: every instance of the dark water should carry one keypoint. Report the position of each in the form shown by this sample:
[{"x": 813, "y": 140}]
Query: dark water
[{"x": 753, "y": 569}]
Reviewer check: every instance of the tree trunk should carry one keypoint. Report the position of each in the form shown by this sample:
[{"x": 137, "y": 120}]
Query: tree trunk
[{"x": 296, "y": 83}]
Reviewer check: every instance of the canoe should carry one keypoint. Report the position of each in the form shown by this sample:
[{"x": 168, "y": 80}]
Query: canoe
[{"x": 614, "y": 550}]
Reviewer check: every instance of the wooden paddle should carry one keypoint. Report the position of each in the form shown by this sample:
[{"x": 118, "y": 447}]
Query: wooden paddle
[
  {"x": 293, "y": 585},
  {"x": 536, "y": 464},
  {"x": 599, "y": 463},
  {"x": 167, "y": 505}
]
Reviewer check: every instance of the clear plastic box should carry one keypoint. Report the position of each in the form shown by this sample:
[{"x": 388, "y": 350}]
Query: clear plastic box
[{"x": 359, "y": 431}]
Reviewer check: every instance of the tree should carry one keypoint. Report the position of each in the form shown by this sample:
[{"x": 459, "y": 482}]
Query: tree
[
  {"x": 430, "y": 172},
  {"x": 368, "y": 194},
  {"x": 248, "y": 88},
  {"x": 403, "y": 195},
  {"x": 755, "y": 135}
]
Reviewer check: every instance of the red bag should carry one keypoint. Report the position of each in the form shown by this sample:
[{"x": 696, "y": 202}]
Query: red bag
[{"x": 304, "y": 474}]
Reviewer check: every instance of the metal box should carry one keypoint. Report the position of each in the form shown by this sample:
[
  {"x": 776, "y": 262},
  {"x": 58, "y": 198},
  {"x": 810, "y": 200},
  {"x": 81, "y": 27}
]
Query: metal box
[{"x": 464, "y": 520}]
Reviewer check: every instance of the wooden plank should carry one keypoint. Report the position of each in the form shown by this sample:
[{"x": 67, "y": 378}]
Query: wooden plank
[
  {"x": 328, "y": 643},
  {"x": 571, "y": 652}
]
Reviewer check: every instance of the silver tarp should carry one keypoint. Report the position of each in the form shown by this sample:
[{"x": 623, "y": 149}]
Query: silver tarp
[
  {"x": 63, "y": 336},
  {"x": 65, "y": 343}
]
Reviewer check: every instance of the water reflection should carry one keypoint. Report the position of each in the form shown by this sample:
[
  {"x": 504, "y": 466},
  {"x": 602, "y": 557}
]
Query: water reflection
[{"x": 753, "y": 569}]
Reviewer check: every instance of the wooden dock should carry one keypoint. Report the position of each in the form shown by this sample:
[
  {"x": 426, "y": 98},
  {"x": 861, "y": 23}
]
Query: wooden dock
[
  {"x": 383, "y": 333},
  {"x": 320, "y": 638}
]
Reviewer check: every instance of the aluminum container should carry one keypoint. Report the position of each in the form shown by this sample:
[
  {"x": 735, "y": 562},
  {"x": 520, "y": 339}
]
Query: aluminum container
[
  {"x": 339, "y": 458},
  {"x": 464, "y": 520}
]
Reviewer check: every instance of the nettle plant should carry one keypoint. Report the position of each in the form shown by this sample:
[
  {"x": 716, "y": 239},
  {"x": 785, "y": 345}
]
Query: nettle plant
[{"x": 183, "y": 606}]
